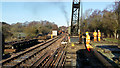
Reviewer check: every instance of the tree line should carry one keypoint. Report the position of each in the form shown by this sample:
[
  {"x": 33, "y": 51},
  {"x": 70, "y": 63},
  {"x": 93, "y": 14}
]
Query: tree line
[
  {"x": 29, "y": 29},
  {"x": 107, "y": 21}
]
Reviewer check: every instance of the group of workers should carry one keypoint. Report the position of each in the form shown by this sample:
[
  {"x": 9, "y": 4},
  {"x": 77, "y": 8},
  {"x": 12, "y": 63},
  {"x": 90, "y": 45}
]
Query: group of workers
[
  {"x": 97, "y": 34},
  {"x": 95, "y": 38}
]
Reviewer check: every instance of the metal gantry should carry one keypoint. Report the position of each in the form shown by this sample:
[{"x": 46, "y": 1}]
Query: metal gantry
[{"x": 75, "y": 17}]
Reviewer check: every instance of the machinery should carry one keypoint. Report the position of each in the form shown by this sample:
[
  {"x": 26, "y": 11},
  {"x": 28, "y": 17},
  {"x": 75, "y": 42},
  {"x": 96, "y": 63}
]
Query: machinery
[
  {"x": 75, "y": 23},
  {"x": 75, "y": 18}
]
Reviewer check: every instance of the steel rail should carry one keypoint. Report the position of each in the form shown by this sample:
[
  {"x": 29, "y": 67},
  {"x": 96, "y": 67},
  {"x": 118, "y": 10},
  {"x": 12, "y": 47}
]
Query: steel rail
[{"x": 11, "y": 59}]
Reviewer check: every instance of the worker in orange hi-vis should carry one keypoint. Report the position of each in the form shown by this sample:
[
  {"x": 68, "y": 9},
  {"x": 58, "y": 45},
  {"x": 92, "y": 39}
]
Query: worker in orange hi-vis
[
  {"x": 99, "y": 35},
  {"x": 95, "y": 36},
  {"x": 87, "y": 41}
]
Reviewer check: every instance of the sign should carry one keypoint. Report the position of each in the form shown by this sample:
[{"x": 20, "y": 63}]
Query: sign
[{"x": 54, "y": 32}]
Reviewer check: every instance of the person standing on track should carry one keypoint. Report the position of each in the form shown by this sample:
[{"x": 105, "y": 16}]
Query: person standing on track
[{"x": 95, "y": 36}]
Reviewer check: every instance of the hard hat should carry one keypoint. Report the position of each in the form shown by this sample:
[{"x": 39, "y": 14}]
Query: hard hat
[
  {"x": 98, "y": 30},
  {"x": 95, "y": 30},
  {"x": 86, "y": 33}
]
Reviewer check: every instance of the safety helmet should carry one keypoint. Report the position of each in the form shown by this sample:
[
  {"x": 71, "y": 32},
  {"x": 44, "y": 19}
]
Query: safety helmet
[
  {"x": 98, "y": 30},
  {"x": 95, "y": 30},
  {"x": 86, "y": 33}
]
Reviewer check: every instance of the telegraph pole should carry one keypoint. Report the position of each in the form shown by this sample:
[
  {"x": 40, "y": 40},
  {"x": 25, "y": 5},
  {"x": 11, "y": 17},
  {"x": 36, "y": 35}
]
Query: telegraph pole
[
  {"x": 118, "y": 23},
  {"x": 117, "y": 3}
]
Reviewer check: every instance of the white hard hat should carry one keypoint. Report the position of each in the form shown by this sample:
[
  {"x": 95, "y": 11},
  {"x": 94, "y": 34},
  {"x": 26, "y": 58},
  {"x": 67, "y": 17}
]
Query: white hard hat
[
  {"x": 86, "y": 33},
  {"x": 95, "y": 30},
  {"x": 98, "y": 30}
]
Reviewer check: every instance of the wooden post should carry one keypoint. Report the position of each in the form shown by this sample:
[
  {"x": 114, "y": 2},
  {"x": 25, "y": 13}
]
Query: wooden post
[
  {"x": 118, "y": 30},
  {"x": 2, "y": 40},
  {"x": 118, "y": 24},
  {"x": 80, "y": 37}
]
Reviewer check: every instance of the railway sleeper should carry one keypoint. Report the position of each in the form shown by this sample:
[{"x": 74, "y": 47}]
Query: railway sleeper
[
  {"x": 40, "y": 61},
  {"x": 51, "y": 58},
  {"x": 29, "y": 56},
  {"x": 8, "y": 60},
  {"x": 61, "y": 60},
  {"x": 27, "y": 62},
  {"x": 58, "y": 59},
  {"x": 13, "y": 65},
  {"x": 42, "y": 55}
]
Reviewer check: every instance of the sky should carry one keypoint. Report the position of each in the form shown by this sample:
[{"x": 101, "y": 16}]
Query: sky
[{"x": 13, "y": 12}]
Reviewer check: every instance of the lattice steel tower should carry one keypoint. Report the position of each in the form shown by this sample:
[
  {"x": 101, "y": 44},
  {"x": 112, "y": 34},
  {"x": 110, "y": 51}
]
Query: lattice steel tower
[{"x": 75, "y": 17}]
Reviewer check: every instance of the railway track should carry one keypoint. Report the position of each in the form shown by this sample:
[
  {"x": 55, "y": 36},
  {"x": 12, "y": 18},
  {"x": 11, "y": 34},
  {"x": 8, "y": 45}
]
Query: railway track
[
  {"x": 38, "y": 55},
  {"x": 53, "y": 60},
  {"x": 56, "y": 55}
]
